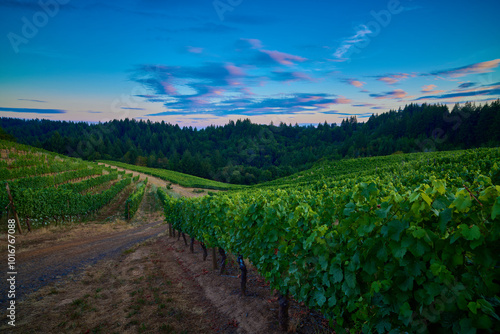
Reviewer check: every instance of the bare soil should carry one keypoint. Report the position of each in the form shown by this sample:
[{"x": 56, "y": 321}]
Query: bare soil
[{"x": 130, "y": 277}]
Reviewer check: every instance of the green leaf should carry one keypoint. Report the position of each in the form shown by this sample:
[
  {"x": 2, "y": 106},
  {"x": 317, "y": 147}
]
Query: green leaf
[
  {"x": 332, "y": 301},
  {"x": 426, "y": 198},
  {"x": 466, "y": 327},
  {"x": 319, "y": 295},
  {"x": 472, "y": 233},
  {"x": 495, "y": 211},
  {"x": 405, "y": 313},
  {"x": 337, "y": 275},
  {"x": 473, "y": 306},
  {"x": 444, "y": 219},
  {"x": 323, "y": 262},
  {"x": 350, "y": 278}
]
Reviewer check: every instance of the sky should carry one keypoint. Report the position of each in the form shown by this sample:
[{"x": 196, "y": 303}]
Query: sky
[{"x": 202, "y": 62}]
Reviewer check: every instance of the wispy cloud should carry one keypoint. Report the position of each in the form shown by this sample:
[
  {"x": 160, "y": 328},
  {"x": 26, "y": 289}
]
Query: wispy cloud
[
  {"x": 483, "y": 67},
  {"x": 430, "y": 89},
  {"x": 364, "y": 105},
  {"x": 33, "y": 110},
  {"x": 485, "y": 90},
  {"x": 130, "y": 108},
  {"x": 32, "y": 100},
  {"x": 394, "y": 78},
  {"x": 466, "y": 85},
  {"x": 350, "y": 42},
  {"x": 285, "y": 76},
  {"x": 394, "y": 94},
  {"x": 283, "y": 58},
  {"x": 354, "y": 82}
]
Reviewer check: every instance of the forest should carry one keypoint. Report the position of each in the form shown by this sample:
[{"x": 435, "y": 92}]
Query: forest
[{"x": 245, "y": 153}]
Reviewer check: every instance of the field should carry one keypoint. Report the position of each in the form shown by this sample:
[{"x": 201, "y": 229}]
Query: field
[
  {"x": 401, "y": 243},
  {"x": 397, "y": 243}
]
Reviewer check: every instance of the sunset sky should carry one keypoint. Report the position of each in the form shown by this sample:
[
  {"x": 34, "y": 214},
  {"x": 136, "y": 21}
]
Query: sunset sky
[{"x": 202, "y": 62}]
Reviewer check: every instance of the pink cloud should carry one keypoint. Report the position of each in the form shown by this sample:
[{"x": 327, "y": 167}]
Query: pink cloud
[
  {"x": 310, "y": 98},
  {"x": 234, "y": 71},
  {"x": 394, "y": 78},
  {"x": 428, "y": 88},
  {"x": 169, "y": 88},
  {"x": 355, "y": 83},
  {"x": 484, "y": 67},
  {"x": 283, "y": 58},
  {"x": 342, "y": 100},
  {"x": 395, "y": 94},
  {"x": 254, "y": 43}
]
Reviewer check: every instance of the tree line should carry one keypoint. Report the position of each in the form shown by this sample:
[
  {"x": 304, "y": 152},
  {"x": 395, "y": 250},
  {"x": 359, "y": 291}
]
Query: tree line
[{"x": 245, "y": 153}]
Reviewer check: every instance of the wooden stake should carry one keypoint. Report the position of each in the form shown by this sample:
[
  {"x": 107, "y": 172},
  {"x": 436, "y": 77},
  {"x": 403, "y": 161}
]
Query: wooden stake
[
  {"x": 11, "y": 200},
  {"x": 214, "y": 258}
]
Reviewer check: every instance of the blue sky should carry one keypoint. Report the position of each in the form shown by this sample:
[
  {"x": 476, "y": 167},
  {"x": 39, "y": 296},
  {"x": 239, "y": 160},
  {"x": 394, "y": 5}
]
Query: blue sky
[{"x": 203, "y": 62}]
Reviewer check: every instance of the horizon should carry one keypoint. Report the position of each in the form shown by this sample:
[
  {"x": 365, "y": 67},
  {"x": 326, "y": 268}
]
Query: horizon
[{"x": 211, "y": 62}]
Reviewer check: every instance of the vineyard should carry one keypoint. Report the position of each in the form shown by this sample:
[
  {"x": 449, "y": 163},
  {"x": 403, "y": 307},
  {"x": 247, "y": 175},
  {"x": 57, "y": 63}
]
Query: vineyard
[
  {"x": 403, "y": 243},
  {"x": 184, "y": 180},
  {"x": 47, "y": 188}
]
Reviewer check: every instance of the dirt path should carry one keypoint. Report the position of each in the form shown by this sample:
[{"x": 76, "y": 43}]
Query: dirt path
[{"x": 183, "y": 191}]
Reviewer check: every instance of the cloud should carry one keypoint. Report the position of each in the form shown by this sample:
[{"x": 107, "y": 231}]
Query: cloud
[
  {"x": 354, "y": 82},
  {"x": 395, "y": 94},
  {"x": 363, "y": 105},
  {"x": 466, "y": 85},
  {"x": 483, "y": 67},
  {"x": 277, "y": 57},
  {"x": 349, "y": 42},
  {"x": 34, "y": 110},
  {"x": 429, "y": 89},
  {"x": 130, "y": 108},
  {"x": 290, "y": 104},
  {"x": 284, "y": 76},
  {"x": 31, "y": 100},
  {"x": 249, "y": 43},
  {"x": 391, "y": 79},
  {"x": 492, "y": 89}
]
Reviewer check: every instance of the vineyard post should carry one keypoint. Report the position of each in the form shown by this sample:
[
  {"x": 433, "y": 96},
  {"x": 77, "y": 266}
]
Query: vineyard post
[
  {"x": 283, "y": 311},
  {"x": 128, "y": 210},
  {"x": 243, "y": 269},
  {"x": 222, "y": 260},
  {"x": 205, "y": 254},
  {"x": 191, "y": 247},
  {"x": 214, "y": 258},
  {"x": 11, "y": 203}
]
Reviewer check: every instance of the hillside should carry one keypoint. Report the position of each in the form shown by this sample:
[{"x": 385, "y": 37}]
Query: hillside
[
  {"x": 372, "y": 243},
  {"x": 245, "y": 153}
]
